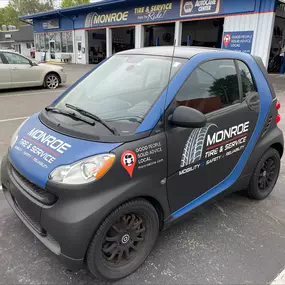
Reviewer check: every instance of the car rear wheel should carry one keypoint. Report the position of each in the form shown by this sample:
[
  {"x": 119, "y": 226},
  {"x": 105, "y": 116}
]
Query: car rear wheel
[
  {"x": 123, "y": 241},
  {"x": 265, "y": 175},
  {"x": 51, "y": 81}
]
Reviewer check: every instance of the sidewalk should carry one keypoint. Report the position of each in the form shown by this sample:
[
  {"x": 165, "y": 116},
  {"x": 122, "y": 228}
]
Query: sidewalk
[
  {"x": 278, "y": 80},
  {"x": 75, "y": 71}
]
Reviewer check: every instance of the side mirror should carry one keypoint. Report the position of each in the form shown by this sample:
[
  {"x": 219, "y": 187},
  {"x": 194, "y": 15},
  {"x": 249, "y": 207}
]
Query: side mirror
[
  {"x": 32, "y": 63},
  {"x": 187, "y": 117}
]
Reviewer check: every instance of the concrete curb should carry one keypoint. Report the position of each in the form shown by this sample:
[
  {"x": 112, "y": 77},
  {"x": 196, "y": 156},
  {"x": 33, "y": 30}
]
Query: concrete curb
[
  {"x": 0, "y": 173},
  {"x": 55, "y": 63}
]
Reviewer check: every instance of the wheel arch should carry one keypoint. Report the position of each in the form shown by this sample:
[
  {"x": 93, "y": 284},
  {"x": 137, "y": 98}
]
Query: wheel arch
[
  {"x": 52, "y": 72},
  {"x": 279, "y": 148},
  {"x": 155, "y": 203}
]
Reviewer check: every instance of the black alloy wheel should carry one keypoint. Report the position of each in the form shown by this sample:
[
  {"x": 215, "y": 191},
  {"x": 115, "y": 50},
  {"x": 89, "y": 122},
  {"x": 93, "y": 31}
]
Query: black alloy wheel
[
  {"x": 123, "y": 241},
  {"x": 265, "y": 175}
]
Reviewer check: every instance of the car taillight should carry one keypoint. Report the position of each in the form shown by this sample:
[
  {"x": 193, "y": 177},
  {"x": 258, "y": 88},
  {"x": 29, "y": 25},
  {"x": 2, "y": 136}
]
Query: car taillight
[{"x": 278, "y": 117}]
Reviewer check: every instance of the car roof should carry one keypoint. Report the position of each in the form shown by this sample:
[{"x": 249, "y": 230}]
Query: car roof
[
  {"x": 8, "y": 50},
  {"x": 180, "y": 51}
]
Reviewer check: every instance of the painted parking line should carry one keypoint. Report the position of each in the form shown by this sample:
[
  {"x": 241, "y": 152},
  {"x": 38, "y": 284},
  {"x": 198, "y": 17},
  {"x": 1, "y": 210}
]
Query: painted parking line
[
  {"x": 31, "y": 93},
  {"x": 0, "y": 175},
  {"x": 13, "y": 119},
  {"x": 280, "y": 279}
]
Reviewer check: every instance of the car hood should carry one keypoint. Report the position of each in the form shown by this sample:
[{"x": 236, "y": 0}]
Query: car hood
[
  {"x": 38, "y": 150},
  {"x": 51, "y": 66}
]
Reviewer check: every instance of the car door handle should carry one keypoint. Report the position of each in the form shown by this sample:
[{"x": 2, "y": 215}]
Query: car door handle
[
  {"x": 15, "y": 68},
  {"x": 253, "y": 101}
]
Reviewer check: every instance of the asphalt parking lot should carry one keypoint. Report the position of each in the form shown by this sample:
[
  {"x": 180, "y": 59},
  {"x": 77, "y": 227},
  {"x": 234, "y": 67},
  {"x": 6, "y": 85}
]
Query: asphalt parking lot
[{"x": 233, "y": 241}]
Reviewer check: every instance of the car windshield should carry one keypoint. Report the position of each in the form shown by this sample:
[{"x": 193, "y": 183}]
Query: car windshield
[{"x": 124, "y": 88}]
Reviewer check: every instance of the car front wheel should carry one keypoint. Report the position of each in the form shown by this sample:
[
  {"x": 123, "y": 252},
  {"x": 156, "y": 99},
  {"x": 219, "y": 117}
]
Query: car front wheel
[
  {"x": 123, "y": 241},
  {"x": 51, "y": 81},
  {"x": 265, "y": 175}
]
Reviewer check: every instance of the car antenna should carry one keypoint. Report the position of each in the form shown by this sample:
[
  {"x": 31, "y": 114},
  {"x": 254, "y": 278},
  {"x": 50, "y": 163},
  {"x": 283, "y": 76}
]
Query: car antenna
[{"x": 169, "y": 77}]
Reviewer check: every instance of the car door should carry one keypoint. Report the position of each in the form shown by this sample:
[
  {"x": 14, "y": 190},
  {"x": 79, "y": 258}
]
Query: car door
[
  {"x": 23, "y": 74},
  {"x": 199, "y": 159},
  {"x": 5, "y": 73}
]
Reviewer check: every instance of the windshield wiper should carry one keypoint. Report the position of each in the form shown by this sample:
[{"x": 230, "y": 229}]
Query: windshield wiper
[
  {"x": 68, "y": 114},
  {"x": 94, "y": 117}
]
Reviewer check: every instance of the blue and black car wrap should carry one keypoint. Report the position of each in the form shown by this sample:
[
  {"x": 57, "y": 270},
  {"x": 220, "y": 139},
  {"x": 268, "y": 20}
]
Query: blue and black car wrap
[{"x": 163, "y": 159}]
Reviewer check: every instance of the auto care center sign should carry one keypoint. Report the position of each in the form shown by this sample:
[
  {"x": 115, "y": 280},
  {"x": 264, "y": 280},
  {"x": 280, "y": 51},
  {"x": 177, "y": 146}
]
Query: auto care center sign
[
  {"x": 238, "y": 41},
  {"x": 197, "y": 8},
  {"x": 155, "y": 12}
]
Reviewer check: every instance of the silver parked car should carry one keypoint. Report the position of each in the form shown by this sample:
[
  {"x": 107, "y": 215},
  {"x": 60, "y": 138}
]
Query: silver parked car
[{"x": 19, "y": 71}]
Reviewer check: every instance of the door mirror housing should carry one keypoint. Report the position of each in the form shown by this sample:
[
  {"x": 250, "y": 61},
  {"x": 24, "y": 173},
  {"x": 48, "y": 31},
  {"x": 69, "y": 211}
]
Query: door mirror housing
[
  {"x": 32, "y": 63},
  {"x": 187, "y": 117}
]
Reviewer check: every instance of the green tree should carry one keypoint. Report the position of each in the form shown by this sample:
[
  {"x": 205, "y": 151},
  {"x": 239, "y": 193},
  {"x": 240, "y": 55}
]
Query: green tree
[
  {"x": 9, "y": 16},
  {"x": 69, "y": 3},
  {"x": 26, "y": 7}
]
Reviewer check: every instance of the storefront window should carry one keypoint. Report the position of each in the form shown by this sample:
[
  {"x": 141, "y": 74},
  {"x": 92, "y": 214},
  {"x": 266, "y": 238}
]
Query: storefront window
[
  {"x": 57, "y": 42},
  {"x": 52, "y": 37},
  {"x": 42, "y": 42},
  {"x": 37, "y": 42},
  {"x": 46, "y": 42},
  {"x": 63, "y": 42},
  {"x": 69, "y": 39}
]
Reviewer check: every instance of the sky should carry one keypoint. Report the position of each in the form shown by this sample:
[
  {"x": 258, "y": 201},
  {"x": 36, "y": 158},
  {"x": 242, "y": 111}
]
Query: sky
[{"x": 3, "y": 3}]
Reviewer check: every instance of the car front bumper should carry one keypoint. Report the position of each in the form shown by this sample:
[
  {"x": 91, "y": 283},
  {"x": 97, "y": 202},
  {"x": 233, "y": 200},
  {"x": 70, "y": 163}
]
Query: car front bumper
[
  {"x": 57, "y": 232},
  {"x": 65, "y": 217},
  {"x": 63, "y": 77}
]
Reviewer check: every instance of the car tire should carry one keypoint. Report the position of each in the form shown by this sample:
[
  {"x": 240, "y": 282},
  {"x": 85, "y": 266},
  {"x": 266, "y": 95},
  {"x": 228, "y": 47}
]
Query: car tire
[
  {"x": 265, "y": 175},
  {"x": 51, "y": 81},
  {"x": 123, "y": 241}
]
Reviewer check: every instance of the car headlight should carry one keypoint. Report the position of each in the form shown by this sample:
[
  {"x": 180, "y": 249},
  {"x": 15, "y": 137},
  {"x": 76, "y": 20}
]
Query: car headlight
[
  {"x": 15, "y": 135},
  {"x": 84, "y": 171}
]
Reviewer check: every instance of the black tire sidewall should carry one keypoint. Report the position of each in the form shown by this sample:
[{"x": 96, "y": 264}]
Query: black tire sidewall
[
  {"x": 95, "y": 259},
  {"x": 253, "y": 190}
]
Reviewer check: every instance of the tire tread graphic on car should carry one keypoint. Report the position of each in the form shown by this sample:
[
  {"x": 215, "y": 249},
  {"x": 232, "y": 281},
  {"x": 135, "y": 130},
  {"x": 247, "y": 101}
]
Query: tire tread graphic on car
[
  {"x": 186, "y": 152},
  {"x": 193, "y": 149}
]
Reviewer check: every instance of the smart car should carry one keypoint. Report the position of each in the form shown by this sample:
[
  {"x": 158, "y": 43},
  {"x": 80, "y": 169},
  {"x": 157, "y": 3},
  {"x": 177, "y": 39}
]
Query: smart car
[
  {"x": 136, "y": 144},
  {"x": 18, "y": 71}
]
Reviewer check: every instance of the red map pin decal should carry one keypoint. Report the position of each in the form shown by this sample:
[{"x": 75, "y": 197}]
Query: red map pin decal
[
  {"x": 128, "y": 161},
  {"x": 227, "y": 40}
]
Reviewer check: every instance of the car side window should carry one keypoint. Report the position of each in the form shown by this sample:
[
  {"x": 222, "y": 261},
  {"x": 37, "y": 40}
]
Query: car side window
[
  {"x": 212, "y": 86},
  {"x": 1, "y": 61},
  {"x": 13, "y": 58},
  {"x": 248, "y": 84}
]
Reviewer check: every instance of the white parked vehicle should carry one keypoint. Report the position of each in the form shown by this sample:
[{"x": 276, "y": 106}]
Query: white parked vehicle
[{"x": 19, "y": 71}]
